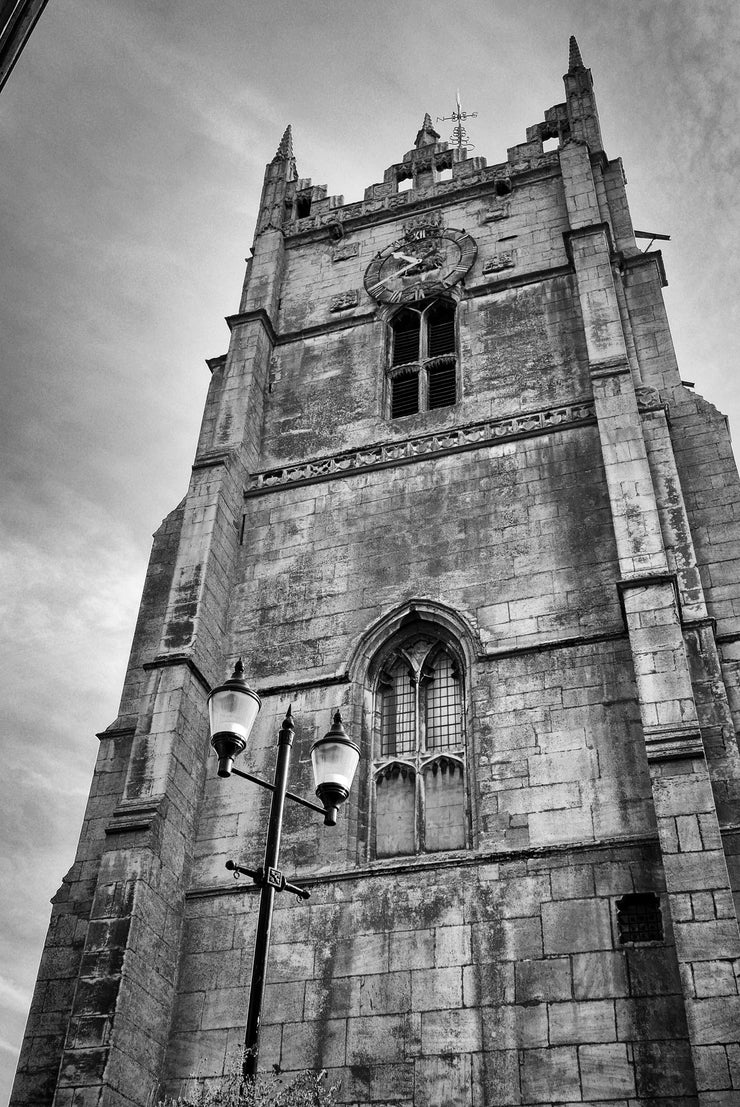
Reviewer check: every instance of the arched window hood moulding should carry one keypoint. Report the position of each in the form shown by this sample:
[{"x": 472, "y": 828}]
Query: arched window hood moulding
[{"x": 446, "y": 621}]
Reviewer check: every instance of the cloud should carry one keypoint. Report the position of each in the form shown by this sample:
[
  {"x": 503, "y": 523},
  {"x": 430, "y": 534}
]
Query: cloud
[{"x": 13, "y": 997}]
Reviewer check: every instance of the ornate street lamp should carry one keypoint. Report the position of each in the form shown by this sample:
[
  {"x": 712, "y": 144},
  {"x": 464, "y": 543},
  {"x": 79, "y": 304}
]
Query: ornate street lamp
[{"x": 232, "y": 709}]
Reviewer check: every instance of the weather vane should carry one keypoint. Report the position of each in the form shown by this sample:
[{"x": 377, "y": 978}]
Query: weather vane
[{"x": 459, "y": 135}]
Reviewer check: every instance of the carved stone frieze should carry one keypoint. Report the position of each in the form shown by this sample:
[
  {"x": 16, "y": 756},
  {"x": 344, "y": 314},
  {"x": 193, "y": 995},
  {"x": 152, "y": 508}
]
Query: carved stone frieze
[
  {"x": 474, "y": 435},
  {"x": 497, "y": 213},
  {"x": 426, "y": 221},
  {"x": 649, "y": 399},
  {"x": 506, "y": 259},
  {"x": 345, "y": 250},
  {"x": 345, "y": 300}
]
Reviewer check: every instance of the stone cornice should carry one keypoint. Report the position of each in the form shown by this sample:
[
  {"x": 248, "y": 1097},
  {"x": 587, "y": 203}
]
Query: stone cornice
[
  {"x": 473, "y": 436},
  {"x": 646, "y": 257},
  {"x": 173, "y": 659},
  {"x": 258, "y": 316}
]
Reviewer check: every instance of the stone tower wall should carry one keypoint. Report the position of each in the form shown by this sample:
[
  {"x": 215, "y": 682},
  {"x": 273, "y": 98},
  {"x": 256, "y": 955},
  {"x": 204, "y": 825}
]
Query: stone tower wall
[{"x": 569, "y": 524}]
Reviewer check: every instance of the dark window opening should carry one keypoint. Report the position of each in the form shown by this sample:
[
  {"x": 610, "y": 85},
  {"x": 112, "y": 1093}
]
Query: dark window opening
[
  {"x": 639, "y": 918},
  {"x": 404, "y": 395},
  {"x": 406, "y": 333},
  {"x": 442, "y": 384},
  {"x": 441, "y": 330},
  {"x": 424, "y": 340},
  {"x": 302, "y": 207}
]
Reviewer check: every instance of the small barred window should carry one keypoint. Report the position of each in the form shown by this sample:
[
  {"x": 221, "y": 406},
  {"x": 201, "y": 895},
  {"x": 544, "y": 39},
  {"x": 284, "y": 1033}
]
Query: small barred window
[
  {"x": 639, "y": 918},
  {"x": 423, "y": 363}
]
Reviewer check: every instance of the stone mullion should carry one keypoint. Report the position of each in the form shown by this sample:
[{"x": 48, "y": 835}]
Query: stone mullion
[{"x": 697, "y": 881}]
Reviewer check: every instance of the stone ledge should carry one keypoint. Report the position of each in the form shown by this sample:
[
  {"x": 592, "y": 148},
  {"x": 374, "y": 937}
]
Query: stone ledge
[
  {"x": 211, "y": 461},
  {"x": 166, "y": 660},
  {"x": 434, "y": 862},
  {"x": 473, "y": 436},
  {"x": 136, "y": 815},
  {"x": 673, "y": 742},
  {"x": 647, "y": 581}
]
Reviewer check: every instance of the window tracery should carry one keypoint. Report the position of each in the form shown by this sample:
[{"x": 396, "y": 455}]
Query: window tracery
[{"x": 419, "y": 762}]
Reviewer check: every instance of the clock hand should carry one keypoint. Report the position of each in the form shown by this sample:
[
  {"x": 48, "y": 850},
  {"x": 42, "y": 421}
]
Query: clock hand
[
  {"x": 405, "y": 257},
  {"x": 397, "y": 272}
]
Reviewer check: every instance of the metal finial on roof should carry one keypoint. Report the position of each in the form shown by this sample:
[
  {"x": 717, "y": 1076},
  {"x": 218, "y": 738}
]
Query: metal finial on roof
[
  {"x": 285, "y": 149},
  {"x": 459, "y": 136},
  {"x": 575, "y": 61}
]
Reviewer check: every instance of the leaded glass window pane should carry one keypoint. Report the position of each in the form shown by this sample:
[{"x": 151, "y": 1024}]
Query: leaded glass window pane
[
  {"x": 443, "y": 705},
  {"x": 398, "y": 712}
]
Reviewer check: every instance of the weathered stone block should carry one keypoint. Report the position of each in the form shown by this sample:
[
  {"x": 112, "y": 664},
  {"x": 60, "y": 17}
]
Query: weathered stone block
[
  {"x": 582, "y": 1022},
  {"x": 714, "y": 978},
  {"x": 521, "y": 938},
  {"x": 376, "y": 1039},
  {"x": 440, "y": 1081},
  {"x": 650, "y": 1019},
  {"x": 606, "y": 1072},
  {"x": 599, "y": 975},
  {"x": 495, "y": 1078},
  {"x": 663, "y": 1069},
  {"x": 451, "y": 1031},
  {"x": 540, "y": 981},
  {"x": 437, "y": 989},
  {"x": 313, "y": 1045},
  {"x": 712, "y": 1069},
  {"x": 706, "y": 941},
  {"x": 714, "y": 1020},
  {"x": 452, "y": 946},
  {"x": 575, "y": 926},
  {"x": 551, "y": 1075},
  {"x": 511, "y": 1026},
  {"x": 409, "y": 949},
  {"x": 572, "y": 882}
]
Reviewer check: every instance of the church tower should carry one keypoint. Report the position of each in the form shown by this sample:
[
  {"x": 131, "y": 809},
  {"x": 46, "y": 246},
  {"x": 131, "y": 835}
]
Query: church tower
[{"x": 449, "y": 481}]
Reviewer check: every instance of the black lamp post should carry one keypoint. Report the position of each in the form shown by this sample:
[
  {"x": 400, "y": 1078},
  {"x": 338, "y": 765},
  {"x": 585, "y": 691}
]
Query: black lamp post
[{"x": 233, "y": 708}]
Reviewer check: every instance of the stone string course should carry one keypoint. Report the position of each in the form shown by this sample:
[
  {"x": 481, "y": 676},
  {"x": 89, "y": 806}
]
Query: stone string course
[{"x": 460, "y": 438}]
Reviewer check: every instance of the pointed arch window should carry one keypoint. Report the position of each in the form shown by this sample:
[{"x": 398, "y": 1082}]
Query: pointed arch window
[
  {"x": 423, "y": 363},
  {"x": 419, "y": 762}
]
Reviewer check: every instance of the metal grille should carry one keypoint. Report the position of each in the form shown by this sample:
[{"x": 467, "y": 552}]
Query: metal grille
[
  {"x": 398, "y": 712},
  {"x": 639, "y": 918},
  {"x": 442, "y": 384},
  {"x": 404, "y": 395},
  {"x": 441, "y": 332},
  {"x": 443, "y": 706},
  {"x": 406, "y": 328}
]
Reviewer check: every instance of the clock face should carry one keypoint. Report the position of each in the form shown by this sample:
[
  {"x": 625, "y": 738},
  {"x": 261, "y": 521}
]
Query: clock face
[{"x": 425, "y": 262}]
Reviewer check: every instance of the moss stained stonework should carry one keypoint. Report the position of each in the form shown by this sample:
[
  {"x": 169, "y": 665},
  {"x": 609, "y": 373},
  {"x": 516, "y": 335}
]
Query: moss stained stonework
[{"x": 566, "y": 530}]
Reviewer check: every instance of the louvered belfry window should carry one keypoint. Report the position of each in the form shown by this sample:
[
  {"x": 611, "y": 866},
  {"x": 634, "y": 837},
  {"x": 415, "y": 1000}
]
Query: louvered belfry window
[
  {"x": 423, "y": 365},
  {"x": 419, "y": 762}
]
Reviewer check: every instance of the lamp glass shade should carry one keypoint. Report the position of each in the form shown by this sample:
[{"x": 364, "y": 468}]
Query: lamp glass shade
[
  {"x": 232, "y": 710},
  {"x": 334, "y": 761}
]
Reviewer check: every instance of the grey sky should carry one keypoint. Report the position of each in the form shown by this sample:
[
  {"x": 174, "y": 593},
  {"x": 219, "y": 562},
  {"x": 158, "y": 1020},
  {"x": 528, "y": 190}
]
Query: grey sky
[{"x": 134, "y": 136}]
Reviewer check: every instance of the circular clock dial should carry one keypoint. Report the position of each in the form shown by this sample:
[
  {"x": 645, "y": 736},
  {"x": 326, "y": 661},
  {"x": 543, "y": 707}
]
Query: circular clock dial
[{"x": 425, "y": 262}]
